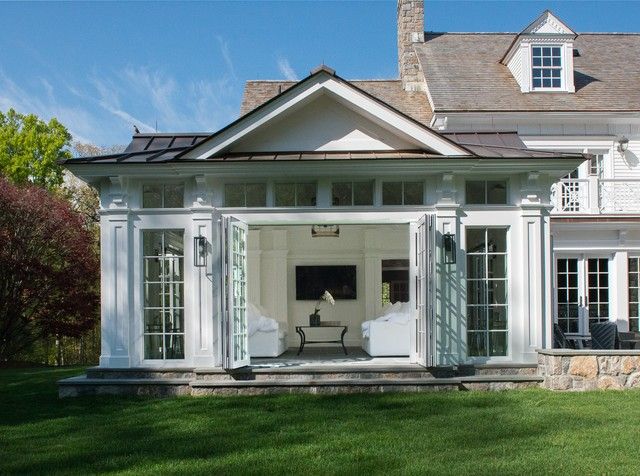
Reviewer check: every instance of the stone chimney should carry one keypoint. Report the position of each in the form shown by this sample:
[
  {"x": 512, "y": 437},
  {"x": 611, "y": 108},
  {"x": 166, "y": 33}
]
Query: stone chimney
[{"x": 410, "y": 31}]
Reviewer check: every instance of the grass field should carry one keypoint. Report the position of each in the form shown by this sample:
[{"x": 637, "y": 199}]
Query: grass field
[{"x": 524, "y": 432}]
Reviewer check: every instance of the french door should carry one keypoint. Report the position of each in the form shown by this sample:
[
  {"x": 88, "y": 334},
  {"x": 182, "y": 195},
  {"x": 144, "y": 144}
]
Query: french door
[
  {"x": 582, "y": 293},
  {"x": 235, "y": 336},
  {"x": 423, "y": 254}
]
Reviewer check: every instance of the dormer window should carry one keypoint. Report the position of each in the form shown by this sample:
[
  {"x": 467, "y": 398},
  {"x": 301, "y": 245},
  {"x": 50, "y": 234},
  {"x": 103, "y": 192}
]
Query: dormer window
[
  {"x": 546, "y": 72},
  {"x": 540, "y": 57}
]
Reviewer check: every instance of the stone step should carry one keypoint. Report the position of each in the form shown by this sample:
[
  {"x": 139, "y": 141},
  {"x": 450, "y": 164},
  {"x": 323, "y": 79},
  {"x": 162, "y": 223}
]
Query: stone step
[
  {"x": 317, "y": 373},
  {"x": 499, "y": 382},
  {"x": 78, "y": 386},
  {"x": 155, "y": 387},
  {"x": 497, "y": 369},
  {"x": 323, "y": 386},
  {"x": 140, "y": 373}
]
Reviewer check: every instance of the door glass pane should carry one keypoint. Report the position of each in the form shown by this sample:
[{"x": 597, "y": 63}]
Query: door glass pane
[
  {"x": 152, "y": 196},
  {"x": 163, "y": 290},
  {"x": 475, "y": 192},
  {"x": 392, "y": 193},
  {"x": 234, "y": 195},
  {"x": 567, "y": 294},
  {"x": 256, "y": 195},
  {"x": 634, "y": 292},
  {"x": 285, "y": 194},
  {"x": 496, "y": 192},
  {"x": 363, "y": 193},
  {"x": 487, "y": 311},
  {"x": 342, "y": 194},
  {"x": 173, "y": 196},
  {"x": 306, "y": 195},
  {"x": 413, "y": 193}
]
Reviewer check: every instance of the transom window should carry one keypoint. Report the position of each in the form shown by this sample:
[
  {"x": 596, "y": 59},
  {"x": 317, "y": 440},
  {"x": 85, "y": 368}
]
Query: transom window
[
  {"x": 487, "y": 321},
  {"x": 295, "y": 194},
  {"x": 163, "y": 196},
  {"x": 486, "y": 192},
  {"x": 634, "y": 291},
  {"x": 245, "y": 195},
  {"x": 163, "y": 268},
  {"x": 345, "y": 194},
  {"x": 402, "y": 193},
  {"x": 546, "y": 67}
]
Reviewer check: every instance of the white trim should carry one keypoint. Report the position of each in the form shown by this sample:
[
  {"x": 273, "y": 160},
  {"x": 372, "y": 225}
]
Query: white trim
[{"x": 300, "y": 95}]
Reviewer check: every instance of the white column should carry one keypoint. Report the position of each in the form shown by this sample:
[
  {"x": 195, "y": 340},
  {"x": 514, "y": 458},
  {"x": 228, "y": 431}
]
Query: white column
[
  {"x": 115, "y": 283},
  {"x": 451, "y": 299},
  {"x": 203, "y": 281},
  {"x": 619, "y": 290},
  {"x": 534, "y": 319}
]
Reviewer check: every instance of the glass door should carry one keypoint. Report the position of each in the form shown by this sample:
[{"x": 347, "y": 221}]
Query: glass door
[
  {"x": 235, "y": 333},
  {"x": 422, "y": 257},
  {"x": 582, "y": 293}
]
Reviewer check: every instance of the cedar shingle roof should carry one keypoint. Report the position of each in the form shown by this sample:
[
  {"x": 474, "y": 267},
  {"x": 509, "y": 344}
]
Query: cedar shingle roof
[
  {"x": 464, "y": 73},
  {"x": 412, "y": 103}
]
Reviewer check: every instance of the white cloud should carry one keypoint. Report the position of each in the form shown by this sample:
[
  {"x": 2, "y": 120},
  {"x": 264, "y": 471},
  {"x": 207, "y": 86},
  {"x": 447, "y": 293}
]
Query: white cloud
[
  {"x": 286, "y": 70},
  {"x": 224, "y": 50}
]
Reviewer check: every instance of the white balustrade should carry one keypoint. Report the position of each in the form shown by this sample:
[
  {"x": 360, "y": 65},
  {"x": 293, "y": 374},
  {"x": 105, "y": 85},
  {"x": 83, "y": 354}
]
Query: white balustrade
[{"x": 595, "y": 196}]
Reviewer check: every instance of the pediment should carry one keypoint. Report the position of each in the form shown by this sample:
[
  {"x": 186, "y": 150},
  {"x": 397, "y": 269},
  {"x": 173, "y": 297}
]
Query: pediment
[
  {"x": 324, "y": 112},
  {"x": 548, "y": 24},
  {"x": 323, "y": 124}
]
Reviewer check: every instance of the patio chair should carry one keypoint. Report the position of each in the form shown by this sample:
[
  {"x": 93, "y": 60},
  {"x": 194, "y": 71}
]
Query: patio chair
[
  {"x": 604, "y": 336},
  {"x": 560, "y": 341}
]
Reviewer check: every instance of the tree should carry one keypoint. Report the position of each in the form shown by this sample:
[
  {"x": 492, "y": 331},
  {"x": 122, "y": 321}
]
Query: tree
[
  {"x": 49, "y": 271},
  {"x": 31, "y": 148}
]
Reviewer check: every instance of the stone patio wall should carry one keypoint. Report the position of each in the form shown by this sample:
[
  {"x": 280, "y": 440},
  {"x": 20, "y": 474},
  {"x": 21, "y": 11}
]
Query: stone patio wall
[{"x": 567, "y": 369}]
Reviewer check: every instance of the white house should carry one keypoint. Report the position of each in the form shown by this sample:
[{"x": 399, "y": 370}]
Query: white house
[{"x": 494, "y": 187}]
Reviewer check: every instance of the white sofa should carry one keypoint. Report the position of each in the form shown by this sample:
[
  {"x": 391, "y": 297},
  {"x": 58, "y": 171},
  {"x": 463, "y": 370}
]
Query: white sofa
[
  {"x": 390, "y": 333},
  {"x": 267, "y": 337}
]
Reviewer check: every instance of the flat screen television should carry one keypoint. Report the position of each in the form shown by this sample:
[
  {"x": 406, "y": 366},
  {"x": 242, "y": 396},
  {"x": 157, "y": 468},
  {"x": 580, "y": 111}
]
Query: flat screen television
[{"x": 312, "y": 281}]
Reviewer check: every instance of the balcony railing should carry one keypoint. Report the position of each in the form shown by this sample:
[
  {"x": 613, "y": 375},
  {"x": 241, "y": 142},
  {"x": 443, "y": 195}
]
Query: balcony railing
[{"x": 596, "y": 196}]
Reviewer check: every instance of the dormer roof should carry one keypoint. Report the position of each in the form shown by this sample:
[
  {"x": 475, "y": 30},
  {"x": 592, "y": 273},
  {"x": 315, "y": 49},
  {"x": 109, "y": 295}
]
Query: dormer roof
[{"x": 547, "y": 25}]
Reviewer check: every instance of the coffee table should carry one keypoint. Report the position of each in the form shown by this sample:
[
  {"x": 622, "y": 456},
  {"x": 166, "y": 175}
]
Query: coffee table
[{"x": 300, "y": 330}]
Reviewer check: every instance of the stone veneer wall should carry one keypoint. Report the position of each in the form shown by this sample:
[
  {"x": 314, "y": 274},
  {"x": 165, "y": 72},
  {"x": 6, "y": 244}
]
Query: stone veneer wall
[{"x": 567, "y": 369}]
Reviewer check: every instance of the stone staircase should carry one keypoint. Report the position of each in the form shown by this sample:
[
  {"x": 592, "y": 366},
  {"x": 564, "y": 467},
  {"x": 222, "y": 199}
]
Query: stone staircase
[{"x": 325, "y": 379}]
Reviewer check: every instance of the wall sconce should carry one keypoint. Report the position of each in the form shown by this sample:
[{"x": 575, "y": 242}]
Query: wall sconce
[
  {"x": 199, "y": 251},
  {"x": 449, "y": 248},
  {"x": 331, "y": 231},
  {"x": 623, "y": 144}
]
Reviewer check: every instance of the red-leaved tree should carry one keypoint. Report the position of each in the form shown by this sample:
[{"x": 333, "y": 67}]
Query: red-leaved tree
[{"x": 49, "y": 269}]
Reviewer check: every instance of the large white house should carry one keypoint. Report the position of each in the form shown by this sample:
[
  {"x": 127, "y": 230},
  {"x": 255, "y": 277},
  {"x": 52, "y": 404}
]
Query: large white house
[{"x": 495, "y": 187}]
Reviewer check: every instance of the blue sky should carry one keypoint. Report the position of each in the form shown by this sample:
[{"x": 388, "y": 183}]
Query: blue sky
[{"x": 101, "y": 67}]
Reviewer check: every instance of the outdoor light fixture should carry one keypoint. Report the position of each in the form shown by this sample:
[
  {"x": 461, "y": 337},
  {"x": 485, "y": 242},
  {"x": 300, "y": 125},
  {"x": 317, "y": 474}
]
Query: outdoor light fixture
[
  {"x": 331, "y": 231},
  {"x": 199, "y": 251},
  {"x": 449, "y": 248},
  {"x": 623, "y": 144}
]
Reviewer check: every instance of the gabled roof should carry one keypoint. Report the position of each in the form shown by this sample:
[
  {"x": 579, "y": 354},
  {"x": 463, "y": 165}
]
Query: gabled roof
[
  {"x": 412, "y": 103},
  {"x": 464, "y": 74},
  {"x": 548, "y": 24},
  {"x": 323, "y": 80}
]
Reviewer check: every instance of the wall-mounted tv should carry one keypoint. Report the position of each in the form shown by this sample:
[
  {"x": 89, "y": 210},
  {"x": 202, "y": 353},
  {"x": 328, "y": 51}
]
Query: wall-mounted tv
[{"x": 312, "y": 281}]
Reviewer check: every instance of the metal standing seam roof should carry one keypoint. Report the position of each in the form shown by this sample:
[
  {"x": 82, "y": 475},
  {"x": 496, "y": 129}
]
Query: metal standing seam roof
[
  {"x": 463, "y": 73},
  {"x": 495, "y": 145}
]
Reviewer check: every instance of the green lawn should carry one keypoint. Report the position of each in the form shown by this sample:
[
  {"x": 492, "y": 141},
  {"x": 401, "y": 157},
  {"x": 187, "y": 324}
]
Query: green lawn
[{"x": 481, "y": 433}]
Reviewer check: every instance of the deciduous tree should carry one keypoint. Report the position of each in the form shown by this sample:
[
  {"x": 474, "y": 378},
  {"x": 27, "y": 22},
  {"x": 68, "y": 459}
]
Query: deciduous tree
[
  {"x": 30, "y": 149},
  {"x": 49, "y": 271}
]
